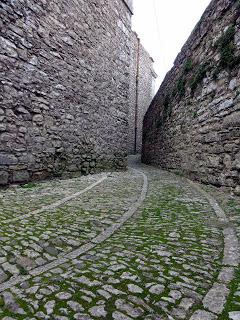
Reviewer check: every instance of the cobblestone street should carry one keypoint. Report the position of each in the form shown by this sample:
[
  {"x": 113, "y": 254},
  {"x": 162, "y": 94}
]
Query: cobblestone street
[{"x": 140, "y": 244}]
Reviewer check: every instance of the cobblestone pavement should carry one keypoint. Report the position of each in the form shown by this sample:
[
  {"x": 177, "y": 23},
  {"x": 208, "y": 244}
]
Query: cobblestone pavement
[{"x": 140, "y": 244}]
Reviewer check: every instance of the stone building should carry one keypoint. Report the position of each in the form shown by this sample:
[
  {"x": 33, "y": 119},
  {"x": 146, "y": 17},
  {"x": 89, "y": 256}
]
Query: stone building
[
  {"x": 193, "y": 123},
  {"x": 64, "y": 87},
  {"x": 142, "y": 87}
]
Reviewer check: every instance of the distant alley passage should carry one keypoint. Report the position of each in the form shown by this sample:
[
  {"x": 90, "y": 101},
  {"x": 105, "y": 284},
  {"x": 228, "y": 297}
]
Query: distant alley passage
[{"x": 141, "y": 244}]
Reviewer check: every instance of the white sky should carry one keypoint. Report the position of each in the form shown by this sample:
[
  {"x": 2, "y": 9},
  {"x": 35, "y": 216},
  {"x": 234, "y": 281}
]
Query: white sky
[{"x": 163, "y": 27}]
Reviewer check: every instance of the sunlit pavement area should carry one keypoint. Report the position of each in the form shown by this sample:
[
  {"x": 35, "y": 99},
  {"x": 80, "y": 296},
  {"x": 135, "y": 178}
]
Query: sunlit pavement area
[{"x": 140, "y": 244}]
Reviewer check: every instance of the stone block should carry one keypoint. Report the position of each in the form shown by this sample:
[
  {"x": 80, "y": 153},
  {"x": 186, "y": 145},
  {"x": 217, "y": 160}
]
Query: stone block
[
  {"x": 4, "y": 177},
  {"x": 21, "y": 176},
  {"x": 234, "y": 315},
  {"x": 38, "y": 118},
  {"x": 216, "y": 298},
  {"x": 213, "y": 161},
  {"x": 8, "y": 47},
  {"x": 203, "y": 315},
  {"x": 8, "y": 159},
  {"x": 237, "y": 190},
  {"x": 233, "y": 84},
  {"x": 3, "y": 276}
]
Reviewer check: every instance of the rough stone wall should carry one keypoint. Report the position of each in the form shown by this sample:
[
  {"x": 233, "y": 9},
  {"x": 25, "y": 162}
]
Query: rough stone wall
[
  {"x": 142, "y": 78},
  {"x": 64, "y": 87},
  {"x": 132, "y": 96},
  {"x": 193, "y": 123},
  {"x": 146, "y": 92}
]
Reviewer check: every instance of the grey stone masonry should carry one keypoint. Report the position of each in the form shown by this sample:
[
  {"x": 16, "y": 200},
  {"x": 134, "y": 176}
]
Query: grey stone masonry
[
  {"x": 64, "y": 87},
  {"x": 193, "y": 123},
  {"x": 142, "y": 81}
]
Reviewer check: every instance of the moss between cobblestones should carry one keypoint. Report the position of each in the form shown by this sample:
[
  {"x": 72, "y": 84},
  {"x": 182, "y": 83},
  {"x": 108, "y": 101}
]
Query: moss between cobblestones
[
  {"x": 231, "y": 205},
  {"x": 1, "y": 303},
  {"x": 167, "y": 210},
  {"x": 7, "y": 313},
  {"x": 29, "y": 185},
  {"x": 233, "y": 301}
]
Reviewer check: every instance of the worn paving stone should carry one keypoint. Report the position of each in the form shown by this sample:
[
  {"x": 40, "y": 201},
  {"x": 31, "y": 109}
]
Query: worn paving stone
[
  {"x": 216, "y": 298},
  {"x": 161, "y": 264},
  {"x": 234, "y": 315},
  {"x": 226, "y": 275},
  {"x": 230, "y": 275},
  {"x": 98, "y": 312},
  {"x": 203, "y": 315},
  {"x": 3, "y": 276}
]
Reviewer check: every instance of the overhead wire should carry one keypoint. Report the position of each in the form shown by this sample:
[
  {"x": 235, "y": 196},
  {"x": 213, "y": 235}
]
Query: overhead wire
[{"x": 160, "y": 42}]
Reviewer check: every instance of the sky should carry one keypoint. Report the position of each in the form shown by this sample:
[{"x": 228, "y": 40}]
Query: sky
[{"x": 164, "y": 26}]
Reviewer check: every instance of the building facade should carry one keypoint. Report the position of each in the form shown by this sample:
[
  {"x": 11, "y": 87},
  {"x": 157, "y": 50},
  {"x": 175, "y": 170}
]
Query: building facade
[{"x": 142, "y": 89}]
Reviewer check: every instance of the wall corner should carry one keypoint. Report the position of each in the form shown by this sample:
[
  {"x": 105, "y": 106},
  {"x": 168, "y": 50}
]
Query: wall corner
[{"x": 129, "y": 5}]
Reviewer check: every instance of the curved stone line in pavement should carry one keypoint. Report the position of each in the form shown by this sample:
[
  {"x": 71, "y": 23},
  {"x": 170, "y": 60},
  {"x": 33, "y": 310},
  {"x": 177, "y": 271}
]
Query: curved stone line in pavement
[
  {"x": 86, "y": 247},
  {"x": 57, "y": 203},
  {"x": 216, "y": 297}
]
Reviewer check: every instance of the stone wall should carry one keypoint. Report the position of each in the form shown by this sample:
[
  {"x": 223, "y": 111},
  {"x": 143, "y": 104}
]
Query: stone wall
[
  {"x": 142, "y": 79},
  {"x": 64, "y": 87},
  {"x": 133, "y": 93},
  {"x": 193, "y": 123}
]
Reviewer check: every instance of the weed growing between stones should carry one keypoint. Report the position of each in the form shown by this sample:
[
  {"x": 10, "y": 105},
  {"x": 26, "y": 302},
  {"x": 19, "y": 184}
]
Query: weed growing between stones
[
  {"x": 228, "y": 60},
  {"x": 181, "y": 83},
  {"x": 179, "y": 90},
  {"x": 166, "y": 252},
  {"x": 29, "y": 185},
  {"x": 181, "y": 87},
  {"x": 233, "y": 301},
  {"x": 226, "y": 48},
  {"x": 194, "y": 114},
  {"x": 231, "y": 205},
  {"x": 188, "y": 66},
  {"x": 199, "y": 75}
]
